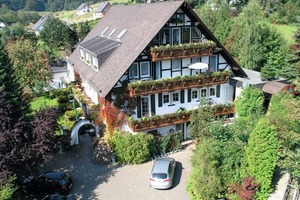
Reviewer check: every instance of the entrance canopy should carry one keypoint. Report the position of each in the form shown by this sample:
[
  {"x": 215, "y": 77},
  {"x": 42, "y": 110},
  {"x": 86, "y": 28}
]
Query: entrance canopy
[{"x": 274, "y": 87}]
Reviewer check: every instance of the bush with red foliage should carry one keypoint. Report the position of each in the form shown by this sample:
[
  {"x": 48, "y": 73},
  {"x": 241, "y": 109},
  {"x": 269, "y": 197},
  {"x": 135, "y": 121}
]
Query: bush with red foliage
[
  {"x": 246, "y": 190},
  {"x": 112, "y": 116}
]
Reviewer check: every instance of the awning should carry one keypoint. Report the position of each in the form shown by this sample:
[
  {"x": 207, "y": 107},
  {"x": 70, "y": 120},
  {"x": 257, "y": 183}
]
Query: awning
[{"x": 274, "y": 87}]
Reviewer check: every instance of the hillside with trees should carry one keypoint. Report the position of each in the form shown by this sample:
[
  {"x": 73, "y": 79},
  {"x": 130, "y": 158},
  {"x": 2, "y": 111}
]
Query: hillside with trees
[{"x": 44, "y": 5}]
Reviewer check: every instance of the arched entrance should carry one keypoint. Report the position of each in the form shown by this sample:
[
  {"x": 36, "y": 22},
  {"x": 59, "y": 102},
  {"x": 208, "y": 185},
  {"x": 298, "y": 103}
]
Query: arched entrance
[{"x": 75, "y": 130}]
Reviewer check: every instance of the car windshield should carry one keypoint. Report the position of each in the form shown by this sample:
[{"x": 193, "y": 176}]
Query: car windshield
[
  {"x": 159, "y": 175},
  {"x": 65, "y": 179}
]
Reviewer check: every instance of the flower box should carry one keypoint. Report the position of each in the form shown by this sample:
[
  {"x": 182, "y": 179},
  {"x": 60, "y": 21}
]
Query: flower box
[
  {"x": 178, "y": 83},
  {"x": 189, "y": 50},
  {"x": 175, "y": 118}
]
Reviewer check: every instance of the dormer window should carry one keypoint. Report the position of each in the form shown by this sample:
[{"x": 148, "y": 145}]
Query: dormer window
[
  {"x": 88, "y": 59},
  {"x": 82, "y": 56},
  {"x": 104, "y": 31},
  {"x": 121, "y": 34},
  {"x": 112, "y": 32}
]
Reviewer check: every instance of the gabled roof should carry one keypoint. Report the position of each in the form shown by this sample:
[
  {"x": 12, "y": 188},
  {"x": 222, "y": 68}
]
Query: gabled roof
[
  {"x": 41, "y": 21},
  {"x": 82, "y": 6},
  {"x": 102, "y": 6},
  {"x": 142, "y": 22}
]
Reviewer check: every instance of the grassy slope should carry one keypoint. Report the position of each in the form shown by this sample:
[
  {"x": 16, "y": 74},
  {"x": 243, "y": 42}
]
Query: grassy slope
[
  {"x": 287, "y": 32},
  {"x": 72, "y": 16}
]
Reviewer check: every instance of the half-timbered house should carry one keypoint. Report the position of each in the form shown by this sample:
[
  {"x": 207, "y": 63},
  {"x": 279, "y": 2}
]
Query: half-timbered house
[{"x": 148, "y": 49}]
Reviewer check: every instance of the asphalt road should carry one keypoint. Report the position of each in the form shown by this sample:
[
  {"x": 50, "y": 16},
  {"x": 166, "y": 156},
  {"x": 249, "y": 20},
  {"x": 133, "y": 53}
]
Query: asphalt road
[{"x": 116, "y": 182}]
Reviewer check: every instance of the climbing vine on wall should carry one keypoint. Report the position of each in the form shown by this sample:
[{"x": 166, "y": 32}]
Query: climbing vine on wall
[{"x": 112, "y": 116}]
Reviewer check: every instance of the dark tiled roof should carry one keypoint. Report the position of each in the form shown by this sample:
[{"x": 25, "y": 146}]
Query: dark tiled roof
[
  {"x": 142, "y": 21},
  {"x": 102, "y": 6},
  {"x": 40, "y": 22}
]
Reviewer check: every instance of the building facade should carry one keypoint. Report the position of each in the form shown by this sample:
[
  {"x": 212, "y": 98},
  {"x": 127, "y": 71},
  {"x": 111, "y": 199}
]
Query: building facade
[{"x": 149, "y": 50}]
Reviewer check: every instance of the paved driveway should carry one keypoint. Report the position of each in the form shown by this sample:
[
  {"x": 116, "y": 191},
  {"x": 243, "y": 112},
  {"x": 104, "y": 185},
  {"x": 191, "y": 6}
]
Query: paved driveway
[{"x": 115, "y": 182}]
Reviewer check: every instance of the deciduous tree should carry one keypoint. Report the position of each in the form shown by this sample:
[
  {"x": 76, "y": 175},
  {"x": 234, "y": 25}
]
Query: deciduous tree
[
  {"x": 55, "y": 32},
  {"x": 30, "y": 64}
]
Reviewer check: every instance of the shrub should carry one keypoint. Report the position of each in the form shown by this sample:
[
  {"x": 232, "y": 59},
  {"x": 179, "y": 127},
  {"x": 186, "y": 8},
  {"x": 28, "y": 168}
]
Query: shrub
[
  {"x": 132, "y": 149},
  {"x": 171, "y": 142},
  {"x": 7, "y": 190}
]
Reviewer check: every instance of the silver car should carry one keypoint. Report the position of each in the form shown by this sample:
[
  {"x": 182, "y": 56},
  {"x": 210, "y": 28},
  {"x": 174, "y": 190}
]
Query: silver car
[{"x": 162, "y": 173}]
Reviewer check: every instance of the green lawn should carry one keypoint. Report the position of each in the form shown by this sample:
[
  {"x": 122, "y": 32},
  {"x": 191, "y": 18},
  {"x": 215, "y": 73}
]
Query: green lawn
[
  {"x": 42, "y": 102},
  {"x": 287, "y": 31}
]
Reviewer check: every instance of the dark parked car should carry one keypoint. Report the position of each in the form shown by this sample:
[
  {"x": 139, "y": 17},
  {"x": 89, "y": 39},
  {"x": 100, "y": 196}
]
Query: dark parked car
[{"x": 48, "y": 183}]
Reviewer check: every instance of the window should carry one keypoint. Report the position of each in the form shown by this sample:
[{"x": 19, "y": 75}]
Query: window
[
  {"x": 104, "y": 31},
  {"x": 88, "y": 59},
  {"x": 112, "y": 32},
  {"x": 166, "y": 98},
  {"x": 176, "y": 37},
  {"x": 95, "y": 62},
  {"x": 175, "y": 96},
  {"x": 186, "y": 35},
  {"x": 196, "y": 32},
  {"x": 176, "y": 64},
  {"x": 213, "y": 63},
  {"x": 133, "y": 71},
  {"x": 144, "y": 69},
  {"x": 194, "y": 94},
  {"x": 145, "y": 106},
  {"x": 203, "y": 93},
  {"x": 177, "y": 19},
  {"x": 121, "y": 34},
  {"x": 165, "y": 36},
  {"x": 212, "y": 91},
  {"x": 82, "y": 57}
]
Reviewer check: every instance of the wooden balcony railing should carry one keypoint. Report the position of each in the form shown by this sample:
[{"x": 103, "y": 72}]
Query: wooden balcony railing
[
  {"x": 178, "y": 83},
  {"x": 158, "y": 121},
  {"x": 191, "y": 50}
]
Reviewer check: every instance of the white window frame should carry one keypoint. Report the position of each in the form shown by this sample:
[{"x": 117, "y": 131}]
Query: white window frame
[
  {"x": 148, "y": 69},
  {"x": 145, "y": 111},
  {"x": 163, "y": 98},
  {"x": 197, "y": 31},
  {"x": 179, "y": 39},
  {"x": 210, "y": 93},
  {"x": 136, "y": 66},
  {"x": 213, "y": 68},
  {"x": 197, "y": 94},
  {"x": 172, "y": 99},
  {"x": 88, "y": 59},
  {"x": 95, "y": 62},
  {"x": 202, "y": 89},
  {"x": 82, "y": 54},
  {"x": 177, "y": 67}
]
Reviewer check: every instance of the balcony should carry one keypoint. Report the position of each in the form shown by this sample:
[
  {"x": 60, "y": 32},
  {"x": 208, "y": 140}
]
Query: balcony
[
  {"x": 139, "y": 88},
  {"x": 190, "y": 50},
  {"x": 179, "y": 117}
]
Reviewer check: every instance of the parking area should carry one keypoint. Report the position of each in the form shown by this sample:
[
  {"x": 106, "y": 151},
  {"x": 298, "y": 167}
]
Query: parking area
[{"x": 115, "y": 182}]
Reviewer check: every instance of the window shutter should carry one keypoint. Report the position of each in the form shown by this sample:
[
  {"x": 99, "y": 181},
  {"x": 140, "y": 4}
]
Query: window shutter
[
  {"x": 138, "y": 108},
  {"x": 182, "y": 96},
  {"x": 189, "y": 95},
  {"x": 159, "y": 99},
  {"x": 153, "y": 104},
  {"x": 218, "y": 90}
]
